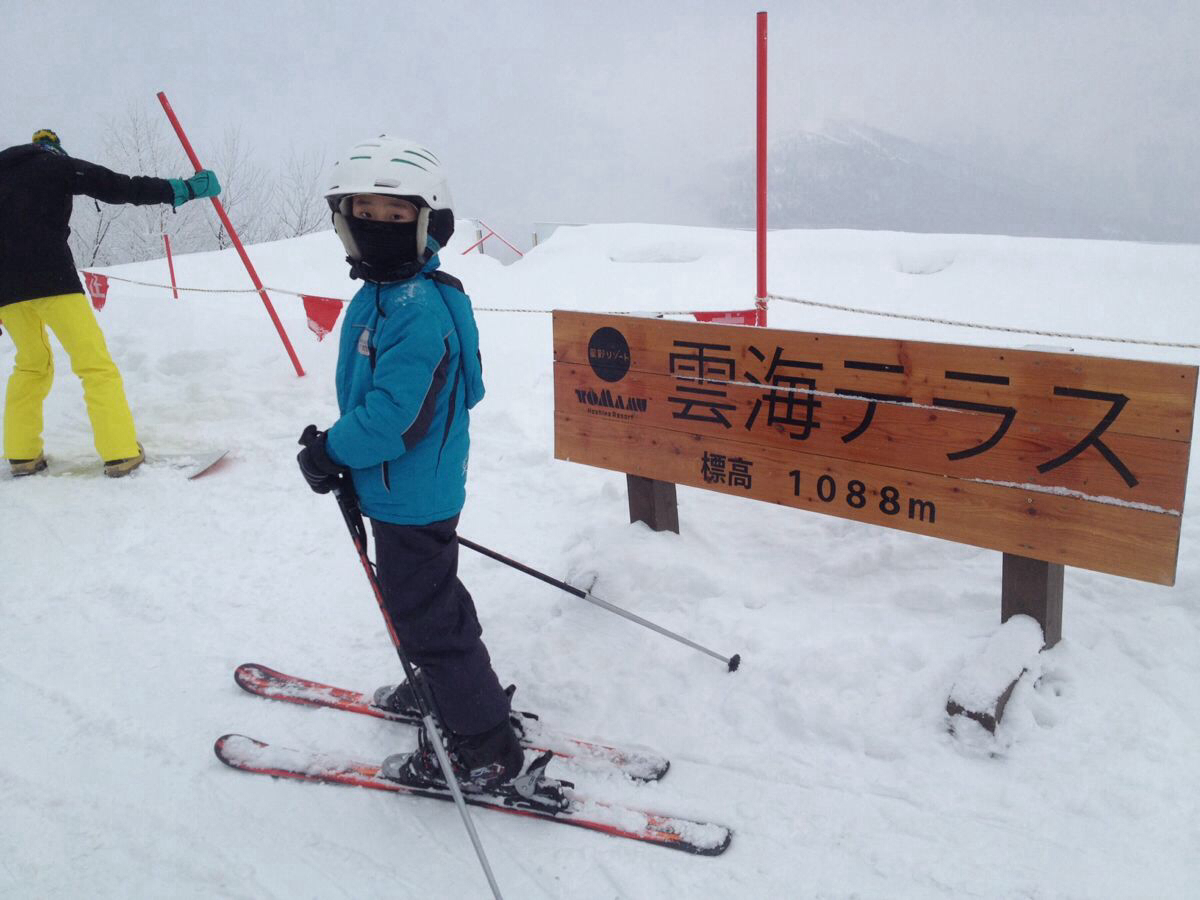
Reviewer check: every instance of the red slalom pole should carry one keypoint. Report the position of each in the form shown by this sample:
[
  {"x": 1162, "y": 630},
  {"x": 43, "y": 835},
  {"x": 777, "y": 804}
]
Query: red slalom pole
[
  {"x": 493, "y": 233},
  {"x": 170, "y": 264},
  {"x": 262, "y": 292},
  {"x": 760, "y": 301},
  {"x": 478, "y": 243}
]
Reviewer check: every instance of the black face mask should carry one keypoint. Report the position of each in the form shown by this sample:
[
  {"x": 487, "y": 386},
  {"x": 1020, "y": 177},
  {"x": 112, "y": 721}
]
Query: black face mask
[{"x": 388, "y": 250}]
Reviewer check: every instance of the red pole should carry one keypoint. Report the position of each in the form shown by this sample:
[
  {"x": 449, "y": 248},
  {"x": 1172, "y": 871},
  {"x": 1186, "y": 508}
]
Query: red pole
[
  {"x": 760, "y": 301},
  {"x": 187, "y": 147},
  {"x": 170, "y": 264},
  {"x": 478, "y": 243},
  {"x": 492, "y": 232}
]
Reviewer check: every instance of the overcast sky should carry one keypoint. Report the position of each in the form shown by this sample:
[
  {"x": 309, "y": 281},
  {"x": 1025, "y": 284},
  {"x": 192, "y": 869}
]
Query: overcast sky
[{"x": 611, "y": 110}]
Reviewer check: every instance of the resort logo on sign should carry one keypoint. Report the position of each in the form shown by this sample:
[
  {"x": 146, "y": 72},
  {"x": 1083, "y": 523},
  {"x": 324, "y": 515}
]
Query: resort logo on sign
[
  {"x": 605, "y": 403},
  {"x": 608, "y": 354}
]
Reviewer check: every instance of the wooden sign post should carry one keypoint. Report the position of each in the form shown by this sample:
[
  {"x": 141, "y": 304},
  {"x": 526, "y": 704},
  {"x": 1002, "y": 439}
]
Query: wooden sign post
[{"x": 1053, "y": 459}]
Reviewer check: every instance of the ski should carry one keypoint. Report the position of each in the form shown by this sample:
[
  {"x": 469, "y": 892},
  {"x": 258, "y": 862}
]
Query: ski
[
  {"x": 638, "y": 763},
  {"x": 687, "y": 835}
]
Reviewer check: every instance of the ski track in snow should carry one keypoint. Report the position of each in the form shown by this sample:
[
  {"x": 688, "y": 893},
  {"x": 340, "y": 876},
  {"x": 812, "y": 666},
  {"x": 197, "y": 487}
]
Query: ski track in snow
[{"x": 127, "y": 604}]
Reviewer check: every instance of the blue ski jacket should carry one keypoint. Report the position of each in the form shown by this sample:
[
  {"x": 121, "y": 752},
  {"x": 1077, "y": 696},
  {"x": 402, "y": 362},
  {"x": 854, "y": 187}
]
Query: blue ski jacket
[{"x": 408, "y": 370}]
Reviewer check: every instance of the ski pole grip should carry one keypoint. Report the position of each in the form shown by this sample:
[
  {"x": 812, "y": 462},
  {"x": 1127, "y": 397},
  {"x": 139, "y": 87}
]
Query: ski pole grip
[{"x": 309, "y": 435}]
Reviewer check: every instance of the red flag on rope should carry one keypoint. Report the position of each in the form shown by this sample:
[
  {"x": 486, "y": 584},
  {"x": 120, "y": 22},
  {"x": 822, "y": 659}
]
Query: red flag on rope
[
  {"x": 733, "y": 317},
  {"x": 322, "y": 314},
  {"x": 97, "y": 286}
]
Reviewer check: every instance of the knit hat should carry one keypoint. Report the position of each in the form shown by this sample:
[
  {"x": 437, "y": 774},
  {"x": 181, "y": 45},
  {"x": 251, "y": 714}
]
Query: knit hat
[{"x": 44, "y": 137}]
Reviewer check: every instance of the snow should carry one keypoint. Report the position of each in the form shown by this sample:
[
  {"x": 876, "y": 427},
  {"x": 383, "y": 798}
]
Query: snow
[
  {"x": 127, "y": 604},
  {"x": 1008, "y": 653},
  {"x": 1061, "y": 491}
]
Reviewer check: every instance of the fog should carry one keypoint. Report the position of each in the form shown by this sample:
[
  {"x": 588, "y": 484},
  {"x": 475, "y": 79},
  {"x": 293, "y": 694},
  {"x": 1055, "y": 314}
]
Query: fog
[{"x": 619, "y": 111}]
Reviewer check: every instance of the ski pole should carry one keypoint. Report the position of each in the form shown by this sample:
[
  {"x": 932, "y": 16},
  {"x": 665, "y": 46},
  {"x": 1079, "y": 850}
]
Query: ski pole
[
  {"x": 731, "y": 661},
  {"x": 348, "y": 503}
]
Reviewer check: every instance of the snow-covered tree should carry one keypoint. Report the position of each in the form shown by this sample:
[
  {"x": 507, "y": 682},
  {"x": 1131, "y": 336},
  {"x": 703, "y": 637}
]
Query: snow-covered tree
[
  {"x": 299, "y": 206},
  {"x": 245, "y": 193}
]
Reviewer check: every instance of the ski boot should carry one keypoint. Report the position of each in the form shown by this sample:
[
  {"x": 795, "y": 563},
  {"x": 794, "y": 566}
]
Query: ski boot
[
  {"x": 23, "y": 467},
  {"x": 401, "y": 699},
  {"x": 491, "y": 764},
  {"x": 118, "y": 468}
]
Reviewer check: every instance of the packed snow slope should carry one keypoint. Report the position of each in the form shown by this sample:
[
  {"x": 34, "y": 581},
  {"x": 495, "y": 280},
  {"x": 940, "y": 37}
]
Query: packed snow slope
[{"x": 126, "y": 604}]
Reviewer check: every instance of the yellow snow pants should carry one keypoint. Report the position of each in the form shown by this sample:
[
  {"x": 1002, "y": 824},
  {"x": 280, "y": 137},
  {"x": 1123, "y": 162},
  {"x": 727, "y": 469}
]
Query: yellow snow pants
[{"x": 74, "y": 324}]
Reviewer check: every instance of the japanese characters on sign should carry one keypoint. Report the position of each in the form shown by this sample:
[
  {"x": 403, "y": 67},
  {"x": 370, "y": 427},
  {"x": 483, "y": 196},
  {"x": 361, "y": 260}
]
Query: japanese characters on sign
[
  {"x": 1033, "y": 453},
  {"x": 704, "y": 372}
]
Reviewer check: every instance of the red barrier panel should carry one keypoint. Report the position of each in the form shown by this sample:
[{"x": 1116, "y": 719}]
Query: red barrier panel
[
  {"x": 732, "y": 317},
  {"x": 322, "y": 313},
  {"x": 97, "y": 288}
]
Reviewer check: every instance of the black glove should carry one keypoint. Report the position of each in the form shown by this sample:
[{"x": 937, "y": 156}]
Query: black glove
[{"x": 321, "y": 472}]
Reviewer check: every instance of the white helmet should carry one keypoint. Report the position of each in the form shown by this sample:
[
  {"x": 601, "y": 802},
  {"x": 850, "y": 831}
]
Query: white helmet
[{"x": 394, "y": 167}]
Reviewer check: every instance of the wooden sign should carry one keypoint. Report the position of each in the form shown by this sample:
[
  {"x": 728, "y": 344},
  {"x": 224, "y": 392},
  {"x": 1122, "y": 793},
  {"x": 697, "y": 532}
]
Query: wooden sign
[{"x": 1069, "y": 459}]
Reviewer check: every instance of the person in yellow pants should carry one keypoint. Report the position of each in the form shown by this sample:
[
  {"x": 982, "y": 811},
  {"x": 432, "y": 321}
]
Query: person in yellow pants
[
  {"x": 71, "y": 318},
  {"x": 39, "y": 287}
]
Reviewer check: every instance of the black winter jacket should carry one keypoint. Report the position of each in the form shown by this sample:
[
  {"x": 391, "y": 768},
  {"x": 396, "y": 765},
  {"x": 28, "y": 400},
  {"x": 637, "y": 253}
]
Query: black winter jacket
[{"x": 37, "y": 187}]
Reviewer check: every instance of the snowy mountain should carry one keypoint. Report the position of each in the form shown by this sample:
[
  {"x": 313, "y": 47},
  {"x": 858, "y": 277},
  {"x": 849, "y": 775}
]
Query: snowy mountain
[
  {"x": 126, "y": 606},
  {"x": 848, "y": 175}
]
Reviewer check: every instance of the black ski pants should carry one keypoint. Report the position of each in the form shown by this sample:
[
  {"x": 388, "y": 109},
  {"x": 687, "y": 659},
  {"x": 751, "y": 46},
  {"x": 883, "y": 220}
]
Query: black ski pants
[{"x": 434, "y": 618}]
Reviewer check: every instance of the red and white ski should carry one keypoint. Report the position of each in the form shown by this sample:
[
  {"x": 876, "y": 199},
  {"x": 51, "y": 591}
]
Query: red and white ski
[
  {"x": 637, "y": 762},
  {"x": 687, "y": 835}
]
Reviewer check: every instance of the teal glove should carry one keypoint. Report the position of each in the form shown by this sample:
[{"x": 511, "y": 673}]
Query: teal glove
[{"x": 203, "y": 184}]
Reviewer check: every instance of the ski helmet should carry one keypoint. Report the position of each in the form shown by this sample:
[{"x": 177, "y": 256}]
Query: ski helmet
[
  {"x": 44, "y": 137},
  {"x": 394, "y": 167}
]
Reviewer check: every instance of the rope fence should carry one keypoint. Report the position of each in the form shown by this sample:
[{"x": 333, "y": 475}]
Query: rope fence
[
  {"x": 960, "y": 324},
  {"x": 285, "y": 292},
  {"x": 783, "y": 298}
]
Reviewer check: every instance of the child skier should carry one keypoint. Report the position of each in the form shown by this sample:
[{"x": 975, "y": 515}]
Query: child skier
[{"x": 408, "y": 370}]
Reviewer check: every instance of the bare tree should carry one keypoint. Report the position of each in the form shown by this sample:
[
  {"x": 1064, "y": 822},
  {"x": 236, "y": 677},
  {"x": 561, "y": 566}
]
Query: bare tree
[
  {"x": 299, "y": 206},
  {"x": 90, "y": 227},
  {"x": 244, "y": 193},
  {"x": 261, "y": 205},
  {"x": 136, "y": 144}
]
